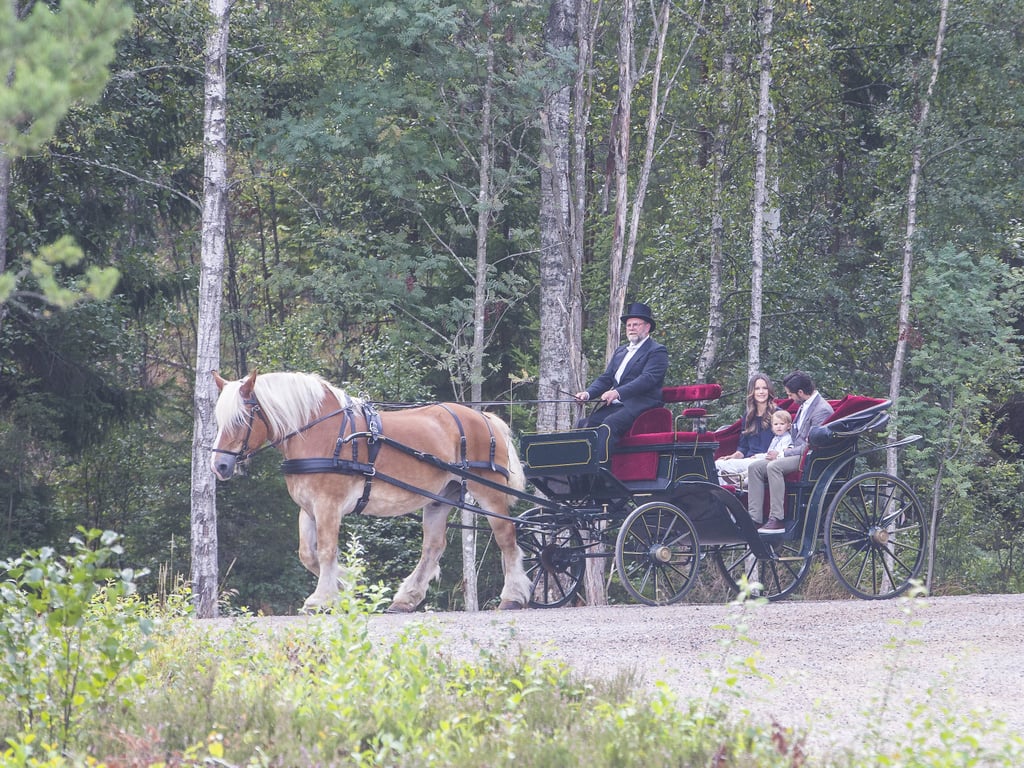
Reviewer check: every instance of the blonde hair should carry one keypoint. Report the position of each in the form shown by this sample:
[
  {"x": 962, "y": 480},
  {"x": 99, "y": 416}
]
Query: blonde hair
[{"x": 784, "y": 415}]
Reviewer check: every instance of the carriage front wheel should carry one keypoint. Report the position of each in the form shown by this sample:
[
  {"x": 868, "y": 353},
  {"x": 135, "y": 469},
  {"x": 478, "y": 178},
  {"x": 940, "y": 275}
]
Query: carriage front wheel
[
  {"x": 875, "y": 535},
  {"x": 553, "y": 556},
  {"x": 657, "y": 553}
]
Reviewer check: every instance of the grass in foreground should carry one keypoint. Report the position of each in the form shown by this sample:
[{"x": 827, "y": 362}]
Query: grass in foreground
[{"x": 120, "y": 682}]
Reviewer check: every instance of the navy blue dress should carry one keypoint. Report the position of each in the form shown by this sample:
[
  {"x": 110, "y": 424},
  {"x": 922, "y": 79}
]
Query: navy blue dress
[{"x": 757, "y": 442}]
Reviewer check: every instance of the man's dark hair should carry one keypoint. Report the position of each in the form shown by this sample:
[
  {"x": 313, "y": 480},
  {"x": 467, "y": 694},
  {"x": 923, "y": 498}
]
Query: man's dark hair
[{"x": 798, "y": 380}]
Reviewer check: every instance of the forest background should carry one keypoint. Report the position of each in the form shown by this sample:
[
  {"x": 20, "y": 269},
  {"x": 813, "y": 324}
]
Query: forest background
[{"x": 757, "y": 173}]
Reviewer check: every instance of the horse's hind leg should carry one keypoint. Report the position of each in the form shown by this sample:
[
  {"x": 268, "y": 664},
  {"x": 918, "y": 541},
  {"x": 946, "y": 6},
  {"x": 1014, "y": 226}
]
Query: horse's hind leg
[{"x": 414, "y": 588}]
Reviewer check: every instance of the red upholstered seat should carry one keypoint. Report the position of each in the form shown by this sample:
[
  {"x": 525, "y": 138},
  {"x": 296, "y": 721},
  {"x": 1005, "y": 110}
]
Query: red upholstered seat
[
  {"x": 728, "y": 438},
  {"x": 648, "y": 429},
  {"x": 652, "y": 420},
  {"x": 655, "y": 427},
  {"x": 690, "y": 393}
]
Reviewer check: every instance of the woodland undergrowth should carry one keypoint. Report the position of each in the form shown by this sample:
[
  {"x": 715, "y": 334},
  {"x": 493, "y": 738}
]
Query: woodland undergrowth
[{"x": 96, "y": 676}]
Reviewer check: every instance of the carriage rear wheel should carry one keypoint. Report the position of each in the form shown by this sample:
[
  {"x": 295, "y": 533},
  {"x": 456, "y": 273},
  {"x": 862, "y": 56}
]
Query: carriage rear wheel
[
  {"x": 657, "y": 553},
  {"x": 875, "y": 535},
  {"x": 780, "y": 574},
  {"x": 553, "y": 556}
]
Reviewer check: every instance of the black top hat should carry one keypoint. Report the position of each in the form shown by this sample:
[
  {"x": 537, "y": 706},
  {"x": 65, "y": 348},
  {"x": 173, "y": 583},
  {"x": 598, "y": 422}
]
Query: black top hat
[{"x": 642, "y": 311}]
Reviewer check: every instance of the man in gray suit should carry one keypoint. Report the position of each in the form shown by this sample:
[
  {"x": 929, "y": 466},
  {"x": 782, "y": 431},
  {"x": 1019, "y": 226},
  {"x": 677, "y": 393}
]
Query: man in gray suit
[
  {"x": 773, "y": 468},
  {"x": 633, "y": 380}
]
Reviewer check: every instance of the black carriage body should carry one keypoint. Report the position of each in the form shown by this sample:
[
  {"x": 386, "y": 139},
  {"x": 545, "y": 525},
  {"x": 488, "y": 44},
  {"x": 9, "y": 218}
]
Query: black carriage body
[
  {"x": 659, "y": 490},
  {"x": 580, "y": 463}
]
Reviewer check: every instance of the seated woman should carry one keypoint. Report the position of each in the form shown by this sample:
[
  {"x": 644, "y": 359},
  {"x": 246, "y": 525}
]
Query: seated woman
[{"x": 756, "y": 434}]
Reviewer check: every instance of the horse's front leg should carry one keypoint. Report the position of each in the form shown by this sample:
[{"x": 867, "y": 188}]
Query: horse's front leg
[
  {"x": 307, "y": 542},
  {"x": 414, "y": 588},
  {"x": 324, "y": 560}
]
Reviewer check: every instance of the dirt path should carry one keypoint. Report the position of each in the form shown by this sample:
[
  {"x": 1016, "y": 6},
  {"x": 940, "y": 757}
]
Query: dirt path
[{"x": 838, "y": 667}]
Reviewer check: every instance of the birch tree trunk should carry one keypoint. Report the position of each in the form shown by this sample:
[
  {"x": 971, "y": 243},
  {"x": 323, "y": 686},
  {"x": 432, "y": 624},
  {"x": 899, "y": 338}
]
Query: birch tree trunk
[
  {"x": 483, "y": 228},
  {"x": 719, "y": 148},
  {"x": 559, "y": 271},
  {"x": 764, "y": 107},
  {"x": 629, "y": 210},
  {"x": 903, "y": 323},
  {"x": 214, "y": 238},
  {"x": 5, "y": 188}
]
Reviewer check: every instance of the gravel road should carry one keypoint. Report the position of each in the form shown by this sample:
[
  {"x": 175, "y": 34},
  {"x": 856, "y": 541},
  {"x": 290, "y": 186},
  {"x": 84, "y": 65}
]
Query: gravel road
[{"x": 836, "y": 668}]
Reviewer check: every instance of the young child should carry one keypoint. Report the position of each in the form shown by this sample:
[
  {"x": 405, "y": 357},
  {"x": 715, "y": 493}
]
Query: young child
[
  {"x": 734, "y": 471},
  {"x": 782, "y": 425}
]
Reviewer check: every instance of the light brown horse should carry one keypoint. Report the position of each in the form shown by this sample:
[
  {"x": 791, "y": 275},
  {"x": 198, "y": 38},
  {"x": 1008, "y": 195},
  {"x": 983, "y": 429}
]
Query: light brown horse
[{"x": 339, "y": 456}]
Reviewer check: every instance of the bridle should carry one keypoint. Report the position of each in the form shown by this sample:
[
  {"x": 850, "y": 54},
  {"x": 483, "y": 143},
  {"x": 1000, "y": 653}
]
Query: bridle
[{"x": 256, "y": 411}]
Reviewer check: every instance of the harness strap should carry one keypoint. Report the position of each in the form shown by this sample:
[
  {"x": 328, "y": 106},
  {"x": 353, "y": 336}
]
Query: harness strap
[
  {"x": 462, "y": 451},
  {"x": 355, "y": 466},
  {"x": 375, "y": 439}
]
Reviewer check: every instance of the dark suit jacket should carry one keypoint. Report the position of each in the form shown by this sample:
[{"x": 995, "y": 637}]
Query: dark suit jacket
[
  {"x": 642, "y": 380},
  {"x": 820, "y": 410}
]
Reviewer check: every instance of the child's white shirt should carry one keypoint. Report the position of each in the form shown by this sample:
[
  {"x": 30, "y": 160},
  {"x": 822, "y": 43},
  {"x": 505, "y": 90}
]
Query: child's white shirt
[{"x": 779, "y": 443}]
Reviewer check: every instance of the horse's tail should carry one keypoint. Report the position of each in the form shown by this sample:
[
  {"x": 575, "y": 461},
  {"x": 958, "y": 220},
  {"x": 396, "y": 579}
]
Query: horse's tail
[{"x": 516, "y": 478}]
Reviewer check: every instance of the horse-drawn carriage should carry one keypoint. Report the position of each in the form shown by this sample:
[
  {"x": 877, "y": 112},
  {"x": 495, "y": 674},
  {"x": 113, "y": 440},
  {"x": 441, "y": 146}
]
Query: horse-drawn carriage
[
  {"x": 654, "y": 502},
  {"x": 656, "y": 494}
]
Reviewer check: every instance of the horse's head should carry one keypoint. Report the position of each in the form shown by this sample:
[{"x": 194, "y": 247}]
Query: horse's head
[{"x": 241, "y": 426}]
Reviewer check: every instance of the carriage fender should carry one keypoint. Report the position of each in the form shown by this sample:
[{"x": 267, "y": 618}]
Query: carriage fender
[{"x": 701, "y": 500}]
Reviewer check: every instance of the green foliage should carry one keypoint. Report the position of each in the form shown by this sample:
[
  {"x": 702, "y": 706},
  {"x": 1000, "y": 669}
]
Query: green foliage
[
  {"x": 44, "y": 269},
  {"x": 70, "y": 635},
  {"x": 964, "y": 355},
  {"x": 57, "y": 55},
  {"x": 323, "y": 691}
]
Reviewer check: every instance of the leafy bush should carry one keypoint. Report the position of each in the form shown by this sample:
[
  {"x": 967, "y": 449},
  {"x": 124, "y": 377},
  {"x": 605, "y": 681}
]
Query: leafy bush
[{"x": 70, "y": 634}]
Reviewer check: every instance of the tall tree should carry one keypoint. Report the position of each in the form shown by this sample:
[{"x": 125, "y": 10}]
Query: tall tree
[
  {"x": 919, "y": 124},
  {"x": 558, "y": 360},
  {"x": 629, "y": 208},
  {"x": 766, "y": 14},
  {"x": 214, "y": 238},
  {"x": 718, "y": 163},
  {"x": 484, "y": 219}
]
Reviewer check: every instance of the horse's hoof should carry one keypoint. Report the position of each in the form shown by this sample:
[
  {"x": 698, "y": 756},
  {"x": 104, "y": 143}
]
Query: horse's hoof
[
  {"x": 511, "y": 605},
  {"x": 400, "y": 608}
]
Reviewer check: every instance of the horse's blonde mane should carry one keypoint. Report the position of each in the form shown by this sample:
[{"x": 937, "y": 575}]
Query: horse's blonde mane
[{"x": 289, "y": 400}]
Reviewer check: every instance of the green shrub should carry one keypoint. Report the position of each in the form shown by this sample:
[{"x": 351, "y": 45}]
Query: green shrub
[{"x": 70, "y": 634}]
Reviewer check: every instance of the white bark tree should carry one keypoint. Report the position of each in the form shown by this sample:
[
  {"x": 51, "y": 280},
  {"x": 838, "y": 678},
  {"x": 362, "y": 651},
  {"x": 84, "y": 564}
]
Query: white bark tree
[
  {"x": 485, "y": 215},
  {"x": 764, "y": 110},
  {"x": 628, "y": 210},
  {"x": 214, "y": 239},
  {"x": 904, "y": 328},
  {"x": 719, "y": 149}
]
